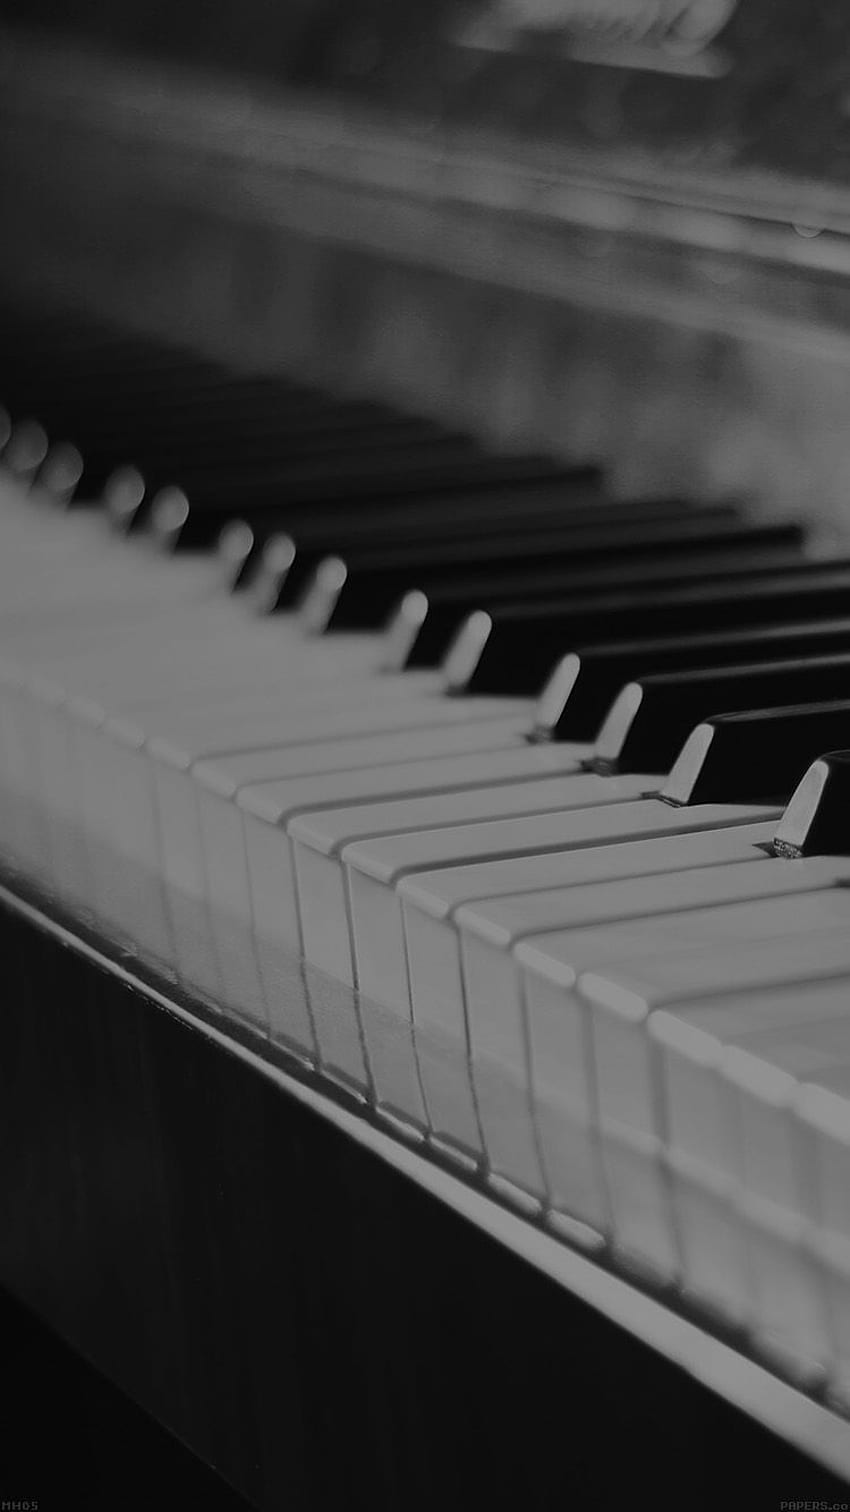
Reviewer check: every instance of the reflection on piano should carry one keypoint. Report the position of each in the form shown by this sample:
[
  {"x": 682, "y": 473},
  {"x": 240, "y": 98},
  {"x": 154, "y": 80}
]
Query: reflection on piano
[{"x": 456, "y": 747}]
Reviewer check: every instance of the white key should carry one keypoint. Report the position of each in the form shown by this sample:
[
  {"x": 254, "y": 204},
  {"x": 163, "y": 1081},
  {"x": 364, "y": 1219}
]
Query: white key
[
  {"x": 224, "y": 864},
  {"x": 729, "y": 1071},
  {"x": 249, "y": 825},
  {"x": 319, "y": 838},
  {"x": 173, "y": 782},
  {"x": 822, "y": 1114},
  {"x": 667, "y": 961},
  {"x": 640, "y": 1215},
  {"x": 430, "y": 902},
  {"x": 374, "y": 867},
  {"x": 493, "y": 991}
]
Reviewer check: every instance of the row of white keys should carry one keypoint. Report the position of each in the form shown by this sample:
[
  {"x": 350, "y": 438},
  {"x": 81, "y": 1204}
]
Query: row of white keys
[
  {"x": 136, "y": 794},
  {"x": 240, "y": 839},
  {"x": 366, "y": 887},
  {"x": 472, "y": 792},
  {"x": 286, "y": 740},
  {"x": 477, "y": 783},
  {"x": 116, "y": 799},
  {"x": 457, "y": 1085},
  {"x": 259, "y": 880},
  {"x": 525, "y": 1065},
  {"x": 204, "y": 880},
  {"x": 232, "y": 722},
  {"x": 661, "y": 962},
  {"x": 86, "y": 595},
  {"x": 35, "y": 718},
  {"x": 116, "y": 802},
  {"x": 234, "y": 851},
  {"x": 821, "y": 1111},
  {"x": 745, "y": 1176},
  {"x": 321, "y": 838},
  {"x": 536, "y": 1042},
  {"x": 764, "y": 1088}
]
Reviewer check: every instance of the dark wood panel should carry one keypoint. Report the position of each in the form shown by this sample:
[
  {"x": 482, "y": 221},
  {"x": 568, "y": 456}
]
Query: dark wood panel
[
  {"x": 302, "y": 1316},
  {"x": 71, "y": 1439}
]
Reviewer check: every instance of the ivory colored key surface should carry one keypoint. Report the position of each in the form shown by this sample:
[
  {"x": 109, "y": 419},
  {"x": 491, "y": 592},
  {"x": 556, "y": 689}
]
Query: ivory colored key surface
[
  {"x": 238, "y": 838},
  {"x": 663, "y": 962},
  {"x": 108, "y": 782},
  {"x": 179, "y": 796},
  {"x": 252, "y": 820},
  {"x": 38, "y": 711},
  {"x": 373, "y": 867},
  {"x": 743, "y": 1199},
  {"x": 430, "y": 901},
  {"x": 170, "y": 761},
  {"x": 801, "y": 1261},
  {"x": 822, "y": 1107},
  {"x": 640, "y": 1218},
  {"x": 215, "y": 652},
  {"x": 541, "y": 1044},
  {"x": 247, "y": 779},
  {"x": 318, "y": 838},
  {"x": 161, "y": 767},
  {"x": 822, "y": 1115},
  {"x": 128, "y": 669}
]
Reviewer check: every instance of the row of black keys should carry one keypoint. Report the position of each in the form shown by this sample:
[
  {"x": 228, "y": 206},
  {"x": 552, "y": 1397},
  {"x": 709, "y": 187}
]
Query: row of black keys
[{"x": 513, "y": 564}]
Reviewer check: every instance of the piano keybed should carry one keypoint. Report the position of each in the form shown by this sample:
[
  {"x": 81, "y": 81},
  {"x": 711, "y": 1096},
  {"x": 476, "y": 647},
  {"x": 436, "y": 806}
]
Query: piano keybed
[{"x": 321, "y": 693}]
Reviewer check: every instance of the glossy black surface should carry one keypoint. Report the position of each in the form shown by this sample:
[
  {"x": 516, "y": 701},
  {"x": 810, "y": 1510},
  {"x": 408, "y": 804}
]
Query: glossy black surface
[
  {"x": 760, "y": 755},
  {"x": 597, "y": 673},
  {"x": 818, "y": 819},
  {"x": 720, "y": 84},
  {"x": 653, "y": 715}
]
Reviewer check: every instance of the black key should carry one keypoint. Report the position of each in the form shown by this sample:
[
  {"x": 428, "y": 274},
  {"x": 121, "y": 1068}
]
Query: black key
[
  {"x": 121, "y": 395},
  {"x": 514, "y": 649},
  {"x": 210, "y": 454},
  {"x": 373, "y": 581},
  {"x": 425, "y": 640},
  {"x": 816, "y": 821},
  {"x": 367, "y": 479},
  {"x": 246, "y": 470},
  {"x": 759, "y": 756},
  {"x": 315, "y": 488},
  {"x": 649, "y": 719},
  {"x": 580, "y": 690},
  {"x": 334, "y": 525},
  {"x": 170, "y": 392},
  {"x": 574, "y": 504}
]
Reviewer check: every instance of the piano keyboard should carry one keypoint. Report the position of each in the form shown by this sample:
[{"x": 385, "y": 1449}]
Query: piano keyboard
[{"x": 320, "y": 692}]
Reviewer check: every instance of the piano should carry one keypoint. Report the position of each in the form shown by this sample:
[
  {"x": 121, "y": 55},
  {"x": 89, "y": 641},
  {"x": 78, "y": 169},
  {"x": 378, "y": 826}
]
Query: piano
[{"x": 425, "y": 740}]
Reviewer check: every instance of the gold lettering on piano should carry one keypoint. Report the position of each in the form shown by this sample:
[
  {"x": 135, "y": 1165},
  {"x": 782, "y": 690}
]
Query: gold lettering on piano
[{"x": 670, "y": 36}]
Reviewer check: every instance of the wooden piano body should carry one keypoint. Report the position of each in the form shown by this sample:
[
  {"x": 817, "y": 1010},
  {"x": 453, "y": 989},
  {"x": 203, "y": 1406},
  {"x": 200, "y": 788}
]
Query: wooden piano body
[{"x": 647, "y": 264}]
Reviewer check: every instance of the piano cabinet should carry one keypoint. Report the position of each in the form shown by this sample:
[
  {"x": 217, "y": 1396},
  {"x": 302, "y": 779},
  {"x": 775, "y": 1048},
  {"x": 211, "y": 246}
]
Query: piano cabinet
[{"x": 320, "y": 1313}]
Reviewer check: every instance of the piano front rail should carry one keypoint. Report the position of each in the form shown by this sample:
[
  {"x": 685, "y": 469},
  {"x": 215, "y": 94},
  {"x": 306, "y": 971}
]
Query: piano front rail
[{"x": 303, "y": 1298}]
